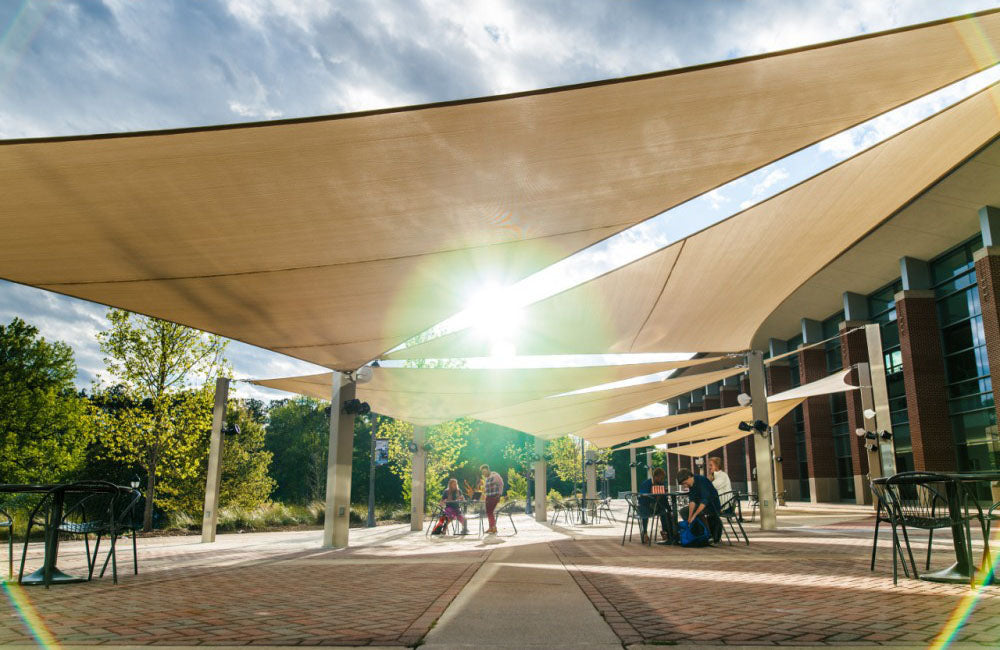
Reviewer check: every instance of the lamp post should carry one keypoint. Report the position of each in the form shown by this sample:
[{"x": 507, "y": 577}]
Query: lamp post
[{"x": 371, "y": 474}]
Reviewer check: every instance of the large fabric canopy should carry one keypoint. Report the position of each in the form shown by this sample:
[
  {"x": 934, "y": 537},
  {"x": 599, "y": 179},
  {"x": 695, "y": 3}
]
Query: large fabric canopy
[
  {"x": 425, "y": 396},
  {"x": 334, "y": 239},
  {"x": 556, "y": 416},
  {"x": 752, "y": 261},
  {"x": 608, "y": 434},
  {"x": 717, "y": 429}
]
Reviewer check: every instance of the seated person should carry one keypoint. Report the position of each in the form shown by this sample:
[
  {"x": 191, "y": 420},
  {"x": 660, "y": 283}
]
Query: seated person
[
  {"x": 704, "y": 502},
  {"x": 450, "y": 501},
  {"x": 720, "y": 480},
  {"x": 652, "y": 499}
]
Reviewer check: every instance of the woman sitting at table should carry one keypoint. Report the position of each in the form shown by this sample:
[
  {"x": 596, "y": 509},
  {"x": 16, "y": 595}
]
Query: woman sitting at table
[
  {"x": 653, "y": 500},
  {"x": 451, "y": 502}
]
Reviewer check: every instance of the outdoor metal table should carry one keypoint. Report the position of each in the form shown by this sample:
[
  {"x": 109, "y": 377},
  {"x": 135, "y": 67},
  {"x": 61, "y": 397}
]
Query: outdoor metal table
[
  {"x": 674, "y": 514},
  {"x": 960, "y": 572},
  {"x": 585, "y": 504},
  {"x": 49, "y": 573}
]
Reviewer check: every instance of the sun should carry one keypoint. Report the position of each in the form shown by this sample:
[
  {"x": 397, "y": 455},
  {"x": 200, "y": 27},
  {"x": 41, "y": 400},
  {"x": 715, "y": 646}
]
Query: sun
[{"x": 496, "y": 317}]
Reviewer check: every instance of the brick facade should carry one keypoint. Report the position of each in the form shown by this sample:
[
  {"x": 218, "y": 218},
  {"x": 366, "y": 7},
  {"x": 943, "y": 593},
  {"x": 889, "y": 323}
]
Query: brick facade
[
  {"x": 779, "y": 379},
  {"x": 820, "y": 454},
  {"x": 924, "y": 380}
]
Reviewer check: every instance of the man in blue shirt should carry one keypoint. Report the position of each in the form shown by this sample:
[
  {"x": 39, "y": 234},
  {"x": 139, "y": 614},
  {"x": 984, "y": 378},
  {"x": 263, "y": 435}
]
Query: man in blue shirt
[{"x": 704, "y": 501}]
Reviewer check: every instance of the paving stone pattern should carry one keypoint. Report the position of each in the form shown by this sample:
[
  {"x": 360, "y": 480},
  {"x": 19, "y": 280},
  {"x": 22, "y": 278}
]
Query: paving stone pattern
[{"x": 789, "y": 588}]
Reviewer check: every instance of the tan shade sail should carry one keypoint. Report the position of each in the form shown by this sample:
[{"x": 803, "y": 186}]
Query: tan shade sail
[
  {"x": 607, "y": 434},
  {"x": 334, "y": 239},
  {"x": 426, "y": 396},
  {"x": 835, "y": 383},
  {"x": 754, "y": 260},
  {"x": 556, "y": 416},
  {"x": 719, "y": 427}
]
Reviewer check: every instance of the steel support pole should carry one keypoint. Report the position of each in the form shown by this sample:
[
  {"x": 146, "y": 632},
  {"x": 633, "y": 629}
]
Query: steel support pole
[
  {"x": 762, "y": 443},
  {"x": 649, "y": 464},
  {"x": 880, "y": 395},
  {"x": 541, "y": 481},
  {"x": 213, "y": 481},
  {"x": 632, "y": 470},
  {"x": 337, "y": 522},
  {"x": 371, "y": 474},
  {"x": 418, "y": 478}
]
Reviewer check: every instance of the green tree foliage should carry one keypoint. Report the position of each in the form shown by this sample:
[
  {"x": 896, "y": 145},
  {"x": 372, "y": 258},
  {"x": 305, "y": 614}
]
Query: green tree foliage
[
  {"x": 44, "y": 424},
  {"x": 445, "y": 442},
  {"x": 517, "y": 485},
  {"x": 298, "y": 434},
  {"x": 156, "y": 363},
  {"x": 564, "y": 456}
]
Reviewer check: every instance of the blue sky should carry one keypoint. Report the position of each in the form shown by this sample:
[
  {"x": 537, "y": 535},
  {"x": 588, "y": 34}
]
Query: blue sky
[{"x": 86, "y": 66}]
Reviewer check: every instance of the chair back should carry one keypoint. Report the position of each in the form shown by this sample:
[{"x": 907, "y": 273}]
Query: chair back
[
  {"x": 916, "y": 498},
  {"x": 632, "y": 499},
  {"x": 730, "y": 503}
]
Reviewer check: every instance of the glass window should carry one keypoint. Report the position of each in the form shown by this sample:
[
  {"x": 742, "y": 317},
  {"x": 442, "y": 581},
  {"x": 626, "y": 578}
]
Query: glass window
[{"x": 967, "y": 368}]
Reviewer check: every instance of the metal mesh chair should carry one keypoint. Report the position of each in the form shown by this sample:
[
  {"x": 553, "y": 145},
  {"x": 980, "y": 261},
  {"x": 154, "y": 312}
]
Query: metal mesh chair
[
  {"x": 124, "y": 520},
  {"x": 507, "y": 508},
  {"x": 732, "y": 513},
  {"x": 914, "y": 500},
  {"x": 6, "y": 521},
  {"x": 603, "y": 509},
  {"x": 632, "y": 516},
  {"x": 560, "y": 507}
]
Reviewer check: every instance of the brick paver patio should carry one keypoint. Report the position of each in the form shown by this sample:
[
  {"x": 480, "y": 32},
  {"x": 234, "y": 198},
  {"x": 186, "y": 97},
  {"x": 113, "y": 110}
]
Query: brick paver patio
[
  {"x": 808, "y": 584},
  {"x": 797, "y": 587}
]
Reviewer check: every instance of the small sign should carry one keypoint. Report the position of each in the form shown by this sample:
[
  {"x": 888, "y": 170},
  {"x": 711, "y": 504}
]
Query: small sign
[{"x": 381, "y": 451}]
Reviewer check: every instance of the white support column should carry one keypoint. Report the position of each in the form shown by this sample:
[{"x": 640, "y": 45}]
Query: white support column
[
  {"x": 649, "y": 464},
  {"x": 418, "y": 476},
  {"x": 762, "y": 444},
  {"x": 541, "y": 482},
  {"x": 213, "y": 482},
  {"x": 591, "y": 472},
  {"x": 880, "y": 395},
  {"x": 631, "y": 470},
  {"x": 779, "y": 473},
  {"x": 336, "y": 524},
  {"x": 868, "y": 406}
]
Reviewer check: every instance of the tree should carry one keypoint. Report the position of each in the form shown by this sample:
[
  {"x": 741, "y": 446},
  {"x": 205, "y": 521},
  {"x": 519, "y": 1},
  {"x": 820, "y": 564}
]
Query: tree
[
  {"x": 44, "y": 424},
  {"x": 445, "y": 443},
  {"x": 298, "y": 433},
  {"x": 564, "y": 455},
  {"x": 156, "y": 363}
]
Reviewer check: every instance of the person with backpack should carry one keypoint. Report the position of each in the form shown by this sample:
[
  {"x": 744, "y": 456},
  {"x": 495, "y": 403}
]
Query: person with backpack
[{"x": 703, "y": 502}]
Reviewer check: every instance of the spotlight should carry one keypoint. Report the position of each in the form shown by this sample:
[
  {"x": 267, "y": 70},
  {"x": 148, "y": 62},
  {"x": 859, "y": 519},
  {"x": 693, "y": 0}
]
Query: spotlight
[
  {"x": 231, "y": 429},
  {"x": 859, "y": 432},
  {"x": 760, "y": 426},
  {"x": 886, "y": 435},
  {"x": 356, "y": 407},
  {"x": 743, "y": 399},
  {"x": 364, "y": 375},
  {"x": 869, "y": 414},
  {"x": 777, "y": 459},
  {"x": 871, "y": 447},
  {"x": 871, "y": 435},
  {"x": 745, "y": 426}
]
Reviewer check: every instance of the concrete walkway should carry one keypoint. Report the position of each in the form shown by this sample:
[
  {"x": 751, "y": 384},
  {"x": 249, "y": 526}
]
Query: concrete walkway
[{"x": 522, "y": 597}]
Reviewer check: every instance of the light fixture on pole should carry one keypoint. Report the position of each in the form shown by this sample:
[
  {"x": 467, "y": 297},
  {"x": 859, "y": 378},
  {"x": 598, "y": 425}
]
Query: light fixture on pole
[{"x": 743, "y": 399}]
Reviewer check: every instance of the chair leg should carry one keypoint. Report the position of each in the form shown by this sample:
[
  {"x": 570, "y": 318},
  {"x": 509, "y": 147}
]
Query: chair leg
[
  {"x": 909, "y": 552},
  {"x": 745, "y": 537},
  {"x": 135, "y": 554},
  {"x": 930, "y": 544},
  {"x": 97, "y": 546},
  {"x": 513, "y": 525},
  {"x": 875, "y": 539},
  {"x": 895, "y": 544}
]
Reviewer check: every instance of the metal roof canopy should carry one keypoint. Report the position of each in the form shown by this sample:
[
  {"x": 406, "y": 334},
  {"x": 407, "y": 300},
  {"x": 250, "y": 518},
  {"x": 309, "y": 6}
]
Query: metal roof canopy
[{"x": 334, "y": 239}]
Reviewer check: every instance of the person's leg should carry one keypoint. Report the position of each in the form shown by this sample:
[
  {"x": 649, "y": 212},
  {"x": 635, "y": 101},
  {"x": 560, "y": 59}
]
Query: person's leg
[
  {"x": 461, "y": 518},
  {"x": 491, "y": 505},
  {"x": 715, "y": 525}
]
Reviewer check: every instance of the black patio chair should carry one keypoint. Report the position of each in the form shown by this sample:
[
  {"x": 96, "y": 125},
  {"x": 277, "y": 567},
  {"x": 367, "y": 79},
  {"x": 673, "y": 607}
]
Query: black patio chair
[
  {"x": 883, "y": 515},
  {"x": 753, "y": 502},
  {"x": 732, "y": 513},
  {"x": 561, "y": 507},
  {"x": 507, "y": 508},
  {"x": 6, "y": 521},
  {"x": 993, "y": 514},
  {"x": 631, "y": 516},
  {"x": 603, "y": 510},
  {"x": 916, "y": 501},
  {"x": 124, "y": 520}
]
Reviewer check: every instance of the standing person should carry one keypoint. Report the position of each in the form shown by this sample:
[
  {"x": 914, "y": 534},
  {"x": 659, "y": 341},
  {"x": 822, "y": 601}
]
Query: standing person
[
  {"x": 720, "y": 480},
  {"x": 492, "y": 489},
  {"x": 654, "y": 502},
  {"x": 450, "y": 501},
  {"x": 704, "y": 501}
]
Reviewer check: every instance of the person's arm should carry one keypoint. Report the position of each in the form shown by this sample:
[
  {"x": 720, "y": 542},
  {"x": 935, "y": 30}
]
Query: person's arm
[{"x": 694, "y": 512}]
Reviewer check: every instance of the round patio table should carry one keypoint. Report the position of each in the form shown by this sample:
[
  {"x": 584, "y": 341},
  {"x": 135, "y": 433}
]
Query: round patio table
[
  {"x": 49, "y": 573},
  {"x": 960, "y": 572}
]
